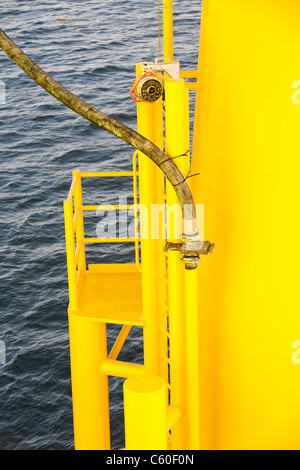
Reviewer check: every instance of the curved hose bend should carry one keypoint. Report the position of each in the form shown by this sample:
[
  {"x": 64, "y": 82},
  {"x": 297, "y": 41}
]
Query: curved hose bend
[{"x": 165, "y": 163}]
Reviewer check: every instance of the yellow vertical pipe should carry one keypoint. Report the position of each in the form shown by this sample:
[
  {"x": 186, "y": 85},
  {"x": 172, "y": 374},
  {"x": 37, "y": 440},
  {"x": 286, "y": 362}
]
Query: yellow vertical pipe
[
  {"x": 147, "y": 126},
  {"x": 177, "y": 344},
  {"x": 177, "y": 129},
  {"x": 192, "y": 359},
  {"x": 168, "y": 29},
  {"x": 89, "y": 386},
  {"x": 160, "y": 254},
  {"x": 145, "y": 413},
  {"x": 177, "y": 143},
  {"x": 80, "y": 226},
  {"x": 70, "y": 249}
]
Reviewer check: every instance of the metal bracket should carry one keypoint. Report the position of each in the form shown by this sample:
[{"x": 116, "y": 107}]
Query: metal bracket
[
  {"x": 171, "y": 68},
  {"x": 191, "y": 251}
]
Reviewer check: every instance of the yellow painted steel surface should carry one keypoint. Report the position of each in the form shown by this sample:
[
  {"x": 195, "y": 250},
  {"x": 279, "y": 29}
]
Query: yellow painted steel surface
[
  {"x": 98, "y": 300},
  {"x": 246, "y": 148},
  {"x": 89, "y": 385},
  {"x": 145, "y": 413},
  {"x": 121, "y": 368},
  {"x": 168, "y": 29}
]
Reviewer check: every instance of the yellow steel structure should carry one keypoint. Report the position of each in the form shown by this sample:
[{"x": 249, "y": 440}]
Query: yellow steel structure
[
  {"x": 154, "y": 291},
  {"x": 151, "y": 294},
  {"x": 220, "y": 370},
  {"x": 93, "y": 304},
  {"x": 246, "y": 148}
]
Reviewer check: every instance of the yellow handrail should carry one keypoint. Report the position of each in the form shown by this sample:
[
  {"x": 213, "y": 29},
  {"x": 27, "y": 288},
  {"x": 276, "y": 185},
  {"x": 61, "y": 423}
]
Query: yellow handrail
[
  {"x": 72, "y": 188},
  {"x": 106, "y": 174},
  {"x": 110, "y": 240},
  {"x": 74, "y": 225}
]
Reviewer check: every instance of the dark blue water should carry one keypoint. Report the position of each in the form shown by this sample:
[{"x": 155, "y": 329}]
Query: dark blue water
[{"x": 41, "y": 143}]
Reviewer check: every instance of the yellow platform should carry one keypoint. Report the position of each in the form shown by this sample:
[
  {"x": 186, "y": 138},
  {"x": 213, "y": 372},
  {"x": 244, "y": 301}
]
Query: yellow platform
[{"x": 110, "y": 293}]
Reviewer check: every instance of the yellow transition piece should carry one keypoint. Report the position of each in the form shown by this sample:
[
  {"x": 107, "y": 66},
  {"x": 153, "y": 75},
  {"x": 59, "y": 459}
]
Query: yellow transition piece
[{"x": 246, "y": 148}]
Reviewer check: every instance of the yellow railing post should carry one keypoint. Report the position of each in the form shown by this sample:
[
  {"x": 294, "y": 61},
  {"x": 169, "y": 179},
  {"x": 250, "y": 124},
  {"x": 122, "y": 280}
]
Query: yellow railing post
[
  {"x": 87, "y": 341},
  {"x": 79, "y": 225},
  {"x": 145, "y": 411},
  {"x": 168, "y": 29},
  {"x": 70, "y": 249},
  {"x": 177, "y": 143}
]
